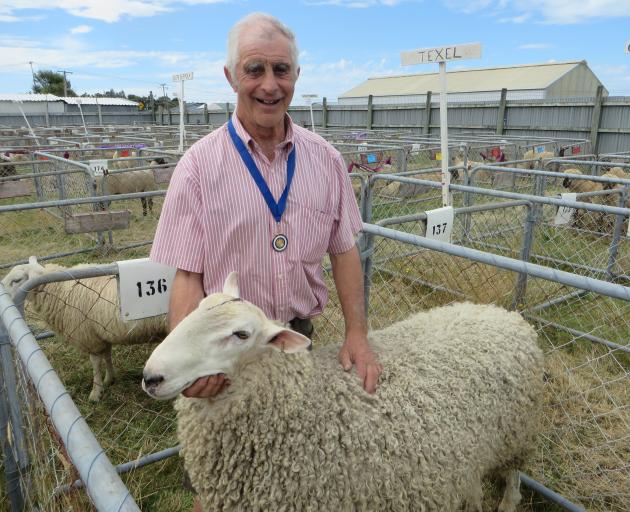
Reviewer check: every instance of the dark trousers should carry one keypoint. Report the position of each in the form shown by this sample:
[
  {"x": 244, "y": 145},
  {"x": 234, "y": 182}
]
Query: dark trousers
[{"x": 302, "y": 325}]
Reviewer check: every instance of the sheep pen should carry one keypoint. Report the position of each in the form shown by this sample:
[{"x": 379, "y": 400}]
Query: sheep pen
[
  {"x": 86, "y": 313},
  {"x": 458, "y": 400}
]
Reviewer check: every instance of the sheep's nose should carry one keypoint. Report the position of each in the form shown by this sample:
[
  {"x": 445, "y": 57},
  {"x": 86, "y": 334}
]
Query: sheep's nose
[{"x": 151, "y": 380}]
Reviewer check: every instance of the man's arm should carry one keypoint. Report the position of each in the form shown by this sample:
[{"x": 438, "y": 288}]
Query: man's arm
[
  {"x": 186, "y": 294},
  {"x": 348, "y": 278}
]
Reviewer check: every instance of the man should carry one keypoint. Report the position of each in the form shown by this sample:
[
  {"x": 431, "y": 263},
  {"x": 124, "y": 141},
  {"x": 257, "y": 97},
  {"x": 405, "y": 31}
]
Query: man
[{"x": 267, "y": 198}]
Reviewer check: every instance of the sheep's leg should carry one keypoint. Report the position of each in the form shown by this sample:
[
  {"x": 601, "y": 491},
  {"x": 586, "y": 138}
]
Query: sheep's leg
[
  {"x": 150, "y": 204},
  {"x": 475, "y": 497},
  {"x": 97, "y": 379},
  {"x": 143, "y": 200},
  {"x": 109, "y": 366},
  {"x": 512, "y": 494}
]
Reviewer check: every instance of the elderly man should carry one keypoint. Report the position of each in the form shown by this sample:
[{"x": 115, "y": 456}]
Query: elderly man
[{"x": 267, "y": 198}]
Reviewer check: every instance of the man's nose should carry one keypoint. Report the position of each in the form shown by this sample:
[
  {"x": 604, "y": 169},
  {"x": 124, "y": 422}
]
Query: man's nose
[{"x": 269, "y": 82}]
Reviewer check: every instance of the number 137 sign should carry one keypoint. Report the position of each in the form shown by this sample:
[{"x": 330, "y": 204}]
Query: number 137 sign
[{"x": 144, "y": 288}]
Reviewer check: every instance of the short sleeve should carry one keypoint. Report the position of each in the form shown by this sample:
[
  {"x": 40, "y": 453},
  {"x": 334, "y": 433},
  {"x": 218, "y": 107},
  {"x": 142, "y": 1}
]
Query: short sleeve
[
  {"x": 179, "y": 240},
  {"x": 348, "y": 218}
]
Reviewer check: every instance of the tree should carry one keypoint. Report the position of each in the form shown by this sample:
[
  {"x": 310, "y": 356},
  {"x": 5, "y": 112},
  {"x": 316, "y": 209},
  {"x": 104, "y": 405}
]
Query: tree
[{"x": 49, "y": 82}]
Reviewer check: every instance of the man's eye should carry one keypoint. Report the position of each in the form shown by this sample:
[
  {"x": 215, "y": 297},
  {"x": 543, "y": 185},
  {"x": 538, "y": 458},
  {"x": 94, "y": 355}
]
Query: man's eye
[
  {"x": 254, "y": 69},
  {"x": 243, "y": 335},
  {"x": 281, "y": 69}
]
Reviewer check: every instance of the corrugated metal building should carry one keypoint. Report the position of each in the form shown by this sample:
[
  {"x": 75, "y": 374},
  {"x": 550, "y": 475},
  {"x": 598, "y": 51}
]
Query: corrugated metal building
[
  {"x": 525, "y": 82},
  {"x": 40, "y": 104}
]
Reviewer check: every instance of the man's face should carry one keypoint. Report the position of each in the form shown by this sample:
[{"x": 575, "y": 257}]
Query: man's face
[{"x": 265, "y": 80}]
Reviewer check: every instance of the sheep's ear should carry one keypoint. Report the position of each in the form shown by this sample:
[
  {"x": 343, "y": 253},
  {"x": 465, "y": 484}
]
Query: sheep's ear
[
  {"x": 289, "y": 341},
  {"x": 230, "y": 287}
]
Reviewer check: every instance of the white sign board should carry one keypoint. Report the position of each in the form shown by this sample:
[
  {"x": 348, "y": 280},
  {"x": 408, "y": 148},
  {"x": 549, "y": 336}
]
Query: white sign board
[
  {"x": 144, "y": 288},
  {"x": 362, "y": 148},
  {"x": 183, "y": 76},
  {"x": 441, "y": 54},
  {"x": 98, "y": 167},
  {"x": 564, "y": 213},
  {"x": 416, "y": 147},
  {"x": 627, "y": 46},
  {"x": 440, "y": 224}
]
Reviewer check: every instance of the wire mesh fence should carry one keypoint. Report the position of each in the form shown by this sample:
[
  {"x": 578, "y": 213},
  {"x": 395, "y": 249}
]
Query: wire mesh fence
[{"x": 582, "y": 451}]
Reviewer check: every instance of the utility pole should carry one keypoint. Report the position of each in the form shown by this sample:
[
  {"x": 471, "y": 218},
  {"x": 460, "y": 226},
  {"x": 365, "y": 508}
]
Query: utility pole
[
  {"x": 65, "y": 81},
  {"x": 32, "y": 73},
  {"x": 163, "y": 90}
]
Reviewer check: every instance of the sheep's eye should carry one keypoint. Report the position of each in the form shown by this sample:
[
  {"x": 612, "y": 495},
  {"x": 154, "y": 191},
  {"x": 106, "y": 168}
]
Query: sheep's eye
[{"x": 242, "y": 335}]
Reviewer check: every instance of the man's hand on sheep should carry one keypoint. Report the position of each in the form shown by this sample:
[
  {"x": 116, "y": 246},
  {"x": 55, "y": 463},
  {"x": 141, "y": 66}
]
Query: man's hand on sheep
[{"x": 357, "y": 350}]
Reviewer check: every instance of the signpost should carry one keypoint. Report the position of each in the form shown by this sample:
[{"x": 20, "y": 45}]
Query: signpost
[
  {"x": 309, "y": 99},
  {"x": 441, "y": 55},
  {"x": 181, "y": 78}
]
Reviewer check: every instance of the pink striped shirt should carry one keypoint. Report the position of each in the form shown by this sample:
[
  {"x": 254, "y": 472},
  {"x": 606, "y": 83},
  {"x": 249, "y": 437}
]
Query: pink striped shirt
[{"x": 215, "y": 219}]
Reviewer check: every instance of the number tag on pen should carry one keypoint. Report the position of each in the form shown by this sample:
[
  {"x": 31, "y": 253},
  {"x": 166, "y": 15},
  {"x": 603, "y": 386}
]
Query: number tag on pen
[
  {"x": 98, "y": 167},
  {"x": 144, "y": 288},
  {"x": 564, "y": 213},
  {"x": 440, "y": 224}
]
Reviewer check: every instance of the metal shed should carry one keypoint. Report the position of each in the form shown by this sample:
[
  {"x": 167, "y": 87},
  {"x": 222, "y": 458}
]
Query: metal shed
[{"x": 524, "y": 82}]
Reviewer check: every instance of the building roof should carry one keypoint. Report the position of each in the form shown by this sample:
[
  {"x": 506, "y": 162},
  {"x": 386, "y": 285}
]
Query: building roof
[
  {"x": 88, "y": 100},
  {"x": 524, "y": 77},
  {"x": 29, "y": 97},
  {"x": 70, "y": 100}
]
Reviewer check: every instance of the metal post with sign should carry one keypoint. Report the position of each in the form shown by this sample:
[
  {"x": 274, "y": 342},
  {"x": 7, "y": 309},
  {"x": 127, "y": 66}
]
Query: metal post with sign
[
  {"x": 181, "y": 78},
  {"x": 309, "y": 99},
  {"x": 441, "y": 55}
]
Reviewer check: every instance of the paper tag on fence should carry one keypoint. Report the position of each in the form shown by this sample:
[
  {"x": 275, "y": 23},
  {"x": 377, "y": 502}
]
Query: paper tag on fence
[
  {"x": 564, "y": 213},
  {"x": 98, "y": 167},
  {"x": 361, "y": 148},
  {"x": 440, "y": 224},
  {"x": 416, "y": 147},
  {"x": 539, "y": 149},
  {"x": 144, "y": 288}
]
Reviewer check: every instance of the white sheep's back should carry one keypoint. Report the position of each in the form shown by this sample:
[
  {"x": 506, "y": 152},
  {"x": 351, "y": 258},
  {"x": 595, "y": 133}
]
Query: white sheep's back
[
  {"x": 458, "y": 397},
  {"x": 87, "y": 313}
]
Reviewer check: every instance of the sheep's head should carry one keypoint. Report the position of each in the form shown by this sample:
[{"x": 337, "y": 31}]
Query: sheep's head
[
  {"x": 224, "y": 333},
  {"x": 19, "y": 274},
  {"x": 566, "y": 182}
]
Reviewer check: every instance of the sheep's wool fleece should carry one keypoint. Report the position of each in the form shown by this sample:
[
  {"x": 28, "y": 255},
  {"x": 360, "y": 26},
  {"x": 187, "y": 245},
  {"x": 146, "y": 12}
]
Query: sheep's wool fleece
[
  {"x": 458, "y": 397},
  {"x": 86, "y": 313}
]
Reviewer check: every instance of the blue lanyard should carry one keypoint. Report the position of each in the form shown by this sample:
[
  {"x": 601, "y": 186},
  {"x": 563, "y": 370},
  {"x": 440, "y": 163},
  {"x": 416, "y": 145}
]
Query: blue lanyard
[{"x": 277, "y": 209}]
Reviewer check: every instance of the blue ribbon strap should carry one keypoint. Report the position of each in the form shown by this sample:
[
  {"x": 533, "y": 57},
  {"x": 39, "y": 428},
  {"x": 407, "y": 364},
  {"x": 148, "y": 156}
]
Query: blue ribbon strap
[{"x": 277, "y": 209}]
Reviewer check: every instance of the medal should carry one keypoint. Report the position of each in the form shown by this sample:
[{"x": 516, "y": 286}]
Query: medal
[{"x": 279, "y": 243}]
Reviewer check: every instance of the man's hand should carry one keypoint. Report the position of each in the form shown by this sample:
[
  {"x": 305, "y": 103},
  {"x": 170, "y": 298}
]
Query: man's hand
[
  {"x": 357, "y": 350},
  {"x": 207, "y": 387}
]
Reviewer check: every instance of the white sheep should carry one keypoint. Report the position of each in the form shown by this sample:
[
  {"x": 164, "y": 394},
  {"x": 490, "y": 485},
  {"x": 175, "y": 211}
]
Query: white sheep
[
  {"x": 459, "y": 397},
  {"x": 85, "y": 312},
  {"x": 534, "y": 158},
  {"x": 586, "y": 219},
  {"x": 131, "y": 181}
]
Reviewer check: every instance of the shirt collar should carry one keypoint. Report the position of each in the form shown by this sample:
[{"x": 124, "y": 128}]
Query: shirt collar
[{"x": 289, "y": 133}]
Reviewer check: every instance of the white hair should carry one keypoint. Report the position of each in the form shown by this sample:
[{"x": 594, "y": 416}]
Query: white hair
[{"x": 271, "y": 25}]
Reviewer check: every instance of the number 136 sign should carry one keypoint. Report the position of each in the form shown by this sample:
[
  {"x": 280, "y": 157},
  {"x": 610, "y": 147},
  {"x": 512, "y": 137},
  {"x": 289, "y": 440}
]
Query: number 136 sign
[{"x": 144, "y": 288}]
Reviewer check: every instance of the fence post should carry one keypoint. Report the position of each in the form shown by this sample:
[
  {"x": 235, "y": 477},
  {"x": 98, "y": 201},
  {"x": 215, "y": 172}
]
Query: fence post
[
  {"x": 324, "y": 113},
  {"x": 427, "y": 116},
  {"x": 369, "y": 112},
  {"x": 206, "y": 115},
  {"x": 597, "y": 117},
  {"x": 528, "y": 238},
  {"x": 227, "y": 111},
  {"x": 501, "y": 112},
  {"x": 614, "y": 245},
  {"x": 16, "y": 456}
]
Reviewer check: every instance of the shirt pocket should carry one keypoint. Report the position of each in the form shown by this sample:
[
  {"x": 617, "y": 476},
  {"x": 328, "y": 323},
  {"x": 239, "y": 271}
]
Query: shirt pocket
[{"x": 311, "y": 234}]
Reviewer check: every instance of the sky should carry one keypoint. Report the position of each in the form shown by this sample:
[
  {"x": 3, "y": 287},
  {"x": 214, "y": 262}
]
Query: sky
[{"x": 137, "y": 45}]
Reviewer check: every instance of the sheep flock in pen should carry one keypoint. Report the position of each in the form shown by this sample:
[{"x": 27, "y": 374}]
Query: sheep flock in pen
[
  {"x": 459, "y": 399},
  {"x": 86, "y": 314}
]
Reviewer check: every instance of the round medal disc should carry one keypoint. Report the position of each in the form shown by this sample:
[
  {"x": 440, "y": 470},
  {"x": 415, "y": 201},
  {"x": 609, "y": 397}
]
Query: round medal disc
[{"x": 279, "y": 243}]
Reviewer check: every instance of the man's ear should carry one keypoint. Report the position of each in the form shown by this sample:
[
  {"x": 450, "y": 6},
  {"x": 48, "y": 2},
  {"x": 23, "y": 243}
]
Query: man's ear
[{"x": 228, "y": 75}]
